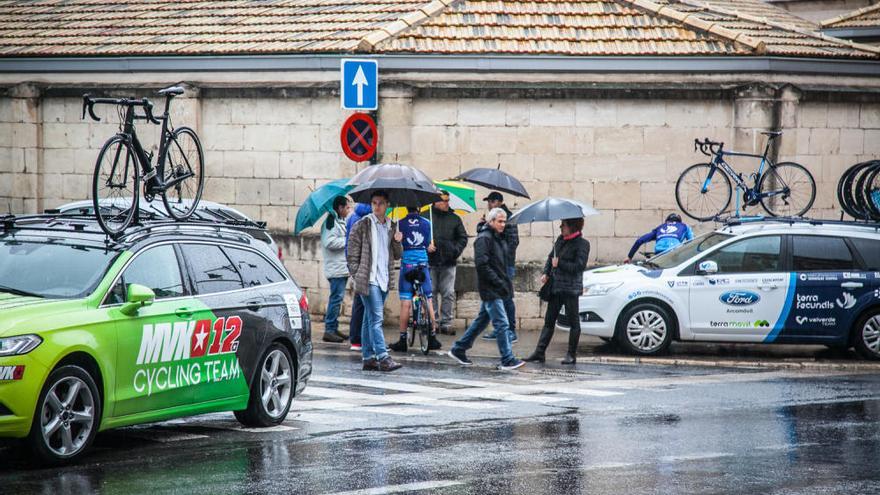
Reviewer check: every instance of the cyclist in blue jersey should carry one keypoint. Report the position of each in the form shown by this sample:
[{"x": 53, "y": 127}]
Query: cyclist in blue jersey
[
  {"x": 666, "y": 236},
  {"x": 416, "y": 242}
]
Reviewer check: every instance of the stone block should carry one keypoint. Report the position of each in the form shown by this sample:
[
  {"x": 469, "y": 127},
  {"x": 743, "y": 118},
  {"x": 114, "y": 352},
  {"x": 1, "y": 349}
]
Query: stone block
[
  {"x": 658, "y": 195},
  {"x": 242, "y": 111},
  {"x": 321, "y": 166},
  {"x": 276, "y": 217},
  {"x": 467, "y": 308},
  {"x": 813, "y": 114},
  {"x": 536, "y": 140},
  {"x": 437, "y": 165},
  {"x": 12, "y": 160},
  {"x": 872, "y": 144},
  {"x": 517, "y": 113},
  {"x": 869, "y": 116},
  {"x": 613, "y": 249},
  {"x": 285, "y": 111},
  {"x": 58, "y": 161},
  {"x": 290, "y": 165},
  {"x": 629, "y": 223},
  {"x": 843, "y": 115},
  {"x": 304, "y": 137},
  {"x": 577, "y": 140},
  {"x": 282, "y": 192},
  {"x": 600, "y": 225},
  {"x": 222, "y": 137},
  {"x": 24, "y": 135},
  {"x": 520, "y": 166},
  {"x": 699, "y": 114},
  {"x": 267, "y": 166},
  {"x": 53, "y": 186},
  {"x": 302, "y": 189},
  {"x": 641, "y": 113},
  {"x": 552, "y": 113},
  {"x": 252, "y": 191},
  {"x": 528, "y": 305},
  {"x": 556, "y": 168},
  {"x": 473, "y": 112},
  {"x": 669, "y": 139},
  {"x": 492, "y": 140},
  {"x": 215, "y": 111},
  {"x": 76, "y": 186},
  {"x": 435, "y": 112},
  {"x": 395, "y": 141},
  {"x": 271, "y": 137},
  {"x": 824, "y": 141},
  {"x": 220, "y": 190},
  {"x": 610, "y": 141},
  {"x": 306, "y": 273},
  {"x": 616, "y": 195},
  {"x": 325, "y": 111},
  {"x": 852, "y": 141},
  {"x": 596, "y": 113}
]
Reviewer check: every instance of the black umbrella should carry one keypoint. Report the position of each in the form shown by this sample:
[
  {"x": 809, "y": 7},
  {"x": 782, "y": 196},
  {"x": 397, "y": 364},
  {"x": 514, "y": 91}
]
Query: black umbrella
[
  {"x": 388, "y": 171},
  {"x": 495, "y": 179},
  {"x": 402, "y": 191}
]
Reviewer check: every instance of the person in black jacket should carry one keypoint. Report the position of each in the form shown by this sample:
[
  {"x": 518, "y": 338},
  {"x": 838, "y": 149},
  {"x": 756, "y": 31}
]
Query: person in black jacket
[
  {"x": 511, "y": 236},
  {"x": 450, "y": 239},
  {"x": 564, "y": 269},
  {"x": 490, "y": 258}
]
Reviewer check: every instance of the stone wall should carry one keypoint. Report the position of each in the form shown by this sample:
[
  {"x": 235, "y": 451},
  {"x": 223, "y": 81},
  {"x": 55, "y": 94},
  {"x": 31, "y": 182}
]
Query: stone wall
[{"x": 621, "y": 151}]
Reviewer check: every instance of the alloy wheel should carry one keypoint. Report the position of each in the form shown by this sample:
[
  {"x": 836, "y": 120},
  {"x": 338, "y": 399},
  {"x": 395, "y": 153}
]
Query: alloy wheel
[
  {"x": 68, "y": 416},
  {"x": 275, "y": 384}
]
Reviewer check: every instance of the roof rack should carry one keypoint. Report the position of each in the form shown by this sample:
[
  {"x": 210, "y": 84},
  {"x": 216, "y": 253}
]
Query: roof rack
[{"x": 735, "y": 221}]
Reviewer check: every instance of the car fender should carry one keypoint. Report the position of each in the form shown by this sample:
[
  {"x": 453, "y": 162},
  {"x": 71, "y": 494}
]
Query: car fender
[{"x": 677, "y": 302}]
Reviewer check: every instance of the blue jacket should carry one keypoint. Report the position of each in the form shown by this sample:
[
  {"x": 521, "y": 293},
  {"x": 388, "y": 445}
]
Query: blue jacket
[
  {"x": 666, "y": 237},
  {"x": 416, "y": 232},
  {"x": 360, "y": 211}
]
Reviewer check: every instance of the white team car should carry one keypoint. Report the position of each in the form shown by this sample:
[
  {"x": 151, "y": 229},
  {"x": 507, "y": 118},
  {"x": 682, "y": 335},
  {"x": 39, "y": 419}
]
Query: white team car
[{"x": 795, "y": 282}]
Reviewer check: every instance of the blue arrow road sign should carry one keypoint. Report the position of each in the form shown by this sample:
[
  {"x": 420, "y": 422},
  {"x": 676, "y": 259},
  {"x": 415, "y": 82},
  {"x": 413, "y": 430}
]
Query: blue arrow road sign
[{"x": 360, "y": 84}]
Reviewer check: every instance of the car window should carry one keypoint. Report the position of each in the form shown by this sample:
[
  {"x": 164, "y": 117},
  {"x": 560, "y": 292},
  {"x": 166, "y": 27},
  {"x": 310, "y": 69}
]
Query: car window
[
  {"x": 755, "y": 254},
  {"x": 255, "y": 269},
  {"x": 155, "y": 268},
  {"x": 51, "y": 268},
  {"x": 813, "y": 253},
  {"x": 688, "y": 250},
  {"x": 869, "y": 249},
  {"x": 212, "y": 270}
]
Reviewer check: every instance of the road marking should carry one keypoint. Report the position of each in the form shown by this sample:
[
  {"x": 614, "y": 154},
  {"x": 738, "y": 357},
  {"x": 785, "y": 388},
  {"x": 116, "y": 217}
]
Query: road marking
[
  {"x": 269, "y": 429},
  {"x": 324, "y": 419},
  {"x": 408, "y": 487}
]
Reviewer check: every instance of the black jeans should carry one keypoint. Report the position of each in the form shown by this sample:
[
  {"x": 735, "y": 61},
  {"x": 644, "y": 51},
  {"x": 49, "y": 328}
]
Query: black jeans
[
  {"x": 556, "y": 303},
  {"x": 357, "y": 319}
]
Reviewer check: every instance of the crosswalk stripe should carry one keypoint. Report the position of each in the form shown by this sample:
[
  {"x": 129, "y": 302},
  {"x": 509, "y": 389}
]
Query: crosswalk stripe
[{"x": 334, "y": 393}]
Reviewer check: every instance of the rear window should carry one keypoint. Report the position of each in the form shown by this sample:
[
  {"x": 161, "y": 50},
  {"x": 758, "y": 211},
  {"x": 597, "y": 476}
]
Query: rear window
[
  {"x": 820, "y": 253},
  {"x": 254, "y": 269},
  {"x": 212, "y": 270},
  {"x": 869, "y": 250},
  {"x": 51, "y": 269}
]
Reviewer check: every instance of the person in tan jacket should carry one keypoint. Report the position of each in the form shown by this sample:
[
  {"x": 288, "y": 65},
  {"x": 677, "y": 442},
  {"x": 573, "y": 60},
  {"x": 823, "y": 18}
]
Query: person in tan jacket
[{"x": 372, "y": 250}]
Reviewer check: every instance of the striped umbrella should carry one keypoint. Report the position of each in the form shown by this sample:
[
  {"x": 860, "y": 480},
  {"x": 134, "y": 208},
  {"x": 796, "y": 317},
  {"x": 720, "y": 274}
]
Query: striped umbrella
[{"x": 462, "y": 199}]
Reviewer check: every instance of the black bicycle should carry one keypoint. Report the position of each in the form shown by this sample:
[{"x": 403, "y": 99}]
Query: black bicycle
[
  {"x": 419, "y": 320},
  {"x": 122, "y": 163},
  {"x": 784, "y": 189}
]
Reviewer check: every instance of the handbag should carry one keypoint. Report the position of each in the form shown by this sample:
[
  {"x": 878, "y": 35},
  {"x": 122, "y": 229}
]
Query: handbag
[{"x": 544, "y": 293}]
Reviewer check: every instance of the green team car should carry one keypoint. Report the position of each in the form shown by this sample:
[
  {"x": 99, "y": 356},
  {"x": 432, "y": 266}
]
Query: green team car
[{"x": 167, "y": 320}]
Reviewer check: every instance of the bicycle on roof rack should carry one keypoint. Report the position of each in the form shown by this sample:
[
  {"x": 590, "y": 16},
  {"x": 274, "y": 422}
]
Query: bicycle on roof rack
[
  {"x": 704, "y": 190},
  {"x": 123, "y": 163}
]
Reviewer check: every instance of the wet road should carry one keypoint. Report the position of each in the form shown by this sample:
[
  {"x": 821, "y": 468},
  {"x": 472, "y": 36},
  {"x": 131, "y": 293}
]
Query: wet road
[{"x": 434, "y": 427}]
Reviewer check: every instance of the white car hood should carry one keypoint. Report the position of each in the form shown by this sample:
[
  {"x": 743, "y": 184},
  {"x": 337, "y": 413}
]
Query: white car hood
[{"x": 618, "y": 272}]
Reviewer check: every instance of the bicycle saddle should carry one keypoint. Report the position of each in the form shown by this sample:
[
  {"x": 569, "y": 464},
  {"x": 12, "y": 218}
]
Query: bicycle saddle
[
  {"x": 772, "y": 134},
  {"x": 414, "y": 276},
  {"x": 173, "y": 90}
]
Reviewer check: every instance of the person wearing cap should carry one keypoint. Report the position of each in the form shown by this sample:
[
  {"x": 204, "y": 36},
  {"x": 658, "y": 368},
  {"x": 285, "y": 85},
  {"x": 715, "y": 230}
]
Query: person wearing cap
[
  {"x": 668, "y": 235},
  {"x": 448, "y": 242},
  {"x": 511, "y": 237}
]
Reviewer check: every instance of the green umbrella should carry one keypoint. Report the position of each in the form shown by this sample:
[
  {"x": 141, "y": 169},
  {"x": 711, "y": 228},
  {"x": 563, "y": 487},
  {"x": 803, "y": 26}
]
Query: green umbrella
[{"x": 319, "y": 202}]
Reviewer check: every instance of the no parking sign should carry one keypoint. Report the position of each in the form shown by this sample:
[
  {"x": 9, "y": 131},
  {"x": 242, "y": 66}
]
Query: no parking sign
[{"x": 359, "y": 137}]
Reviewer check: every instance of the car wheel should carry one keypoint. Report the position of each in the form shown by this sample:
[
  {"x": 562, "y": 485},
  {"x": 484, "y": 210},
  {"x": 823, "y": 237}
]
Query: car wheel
[
  {"x": 271, "y": 390},
  {"x": 866, "y": 336},
  {"x": 645, "y": 329},
  {"x": 67, "y": 417}
]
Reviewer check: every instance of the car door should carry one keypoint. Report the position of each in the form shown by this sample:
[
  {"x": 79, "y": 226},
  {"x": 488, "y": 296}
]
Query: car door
[
  {"x": 231, "y": 322},
  {"x": 744, "y": 300},
  {"x": 153, "y": 367},
  {"x": 830, "y": 284}
]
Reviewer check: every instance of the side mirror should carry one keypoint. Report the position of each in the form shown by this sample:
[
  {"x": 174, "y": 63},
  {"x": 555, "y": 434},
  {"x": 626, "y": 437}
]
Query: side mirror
[
  {"x": 137, "y": 297},
  {"x": 707, "y": 267}
]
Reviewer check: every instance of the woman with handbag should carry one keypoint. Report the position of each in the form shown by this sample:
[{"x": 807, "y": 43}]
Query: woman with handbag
[{"x": 562, "y": 284}]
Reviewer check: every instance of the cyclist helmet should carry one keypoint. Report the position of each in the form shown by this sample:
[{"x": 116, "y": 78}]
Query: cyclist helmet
[{"x": 673, "y": 217}]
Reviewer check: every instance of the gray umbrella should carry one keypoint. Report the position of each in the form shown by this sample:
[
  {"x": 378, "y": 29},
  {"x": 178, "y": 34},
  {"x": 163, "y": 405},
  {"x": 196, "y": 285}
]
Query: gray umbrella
[
  {"x": 402, "y": 191},
  {"x": 388, "y": 171},
  {"x": 494, "y": 179},
  {"x": 550, "y": 209}
]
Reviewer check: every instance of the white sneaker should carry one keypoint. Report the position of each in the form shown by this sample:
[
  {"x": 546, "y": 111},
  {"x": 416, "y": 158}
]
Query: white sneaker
[{"x": 355, "y": 347}]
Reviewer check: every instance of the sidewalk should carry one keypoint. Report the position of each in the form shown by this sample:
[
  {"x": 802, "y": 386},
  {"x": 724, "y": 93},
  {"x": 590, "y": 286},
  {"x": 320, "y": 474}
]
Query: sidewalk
[{"x": 592, "y": 350}]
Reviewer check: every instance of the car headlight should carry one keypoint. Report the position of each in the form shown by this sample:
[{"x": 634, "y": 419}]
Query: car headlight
[
  {"x": 600, "y": 289},
  {"x": 21, "y": 344}
]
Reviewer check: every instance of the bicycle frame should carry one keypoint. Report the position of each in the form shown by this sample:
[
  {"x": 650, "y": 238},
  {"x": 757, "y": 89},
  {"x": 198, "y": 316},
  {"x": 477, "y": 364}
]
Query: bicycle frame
[{"x": 719, "y": 162}]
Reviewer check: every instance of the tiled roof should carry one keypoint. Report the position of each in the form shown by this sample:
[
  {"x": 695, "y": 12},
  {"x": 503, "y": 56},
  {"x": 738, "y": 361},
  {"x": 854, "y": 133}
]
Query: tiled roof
[
  {"x": 534, "y": 27},
  {"x": 867, "y": 17}
]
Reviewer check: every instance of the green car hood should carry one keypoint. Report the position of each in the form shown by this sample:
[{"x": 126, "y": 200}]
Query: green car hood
[{"x": 21, "y": 315}]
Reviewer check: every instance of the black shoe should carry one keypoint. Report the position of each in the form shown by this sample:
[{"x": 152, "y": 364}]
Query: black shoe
[
  {"x": 447, "y": 331},
  {"x": 516, "y": 363},
  {"x": 399, "y": 346},
  {"x": 343, "y": 335},
  {"x": 433, "y": 343},
  {"x": 332, "y": 337},
  {"x": 388, "y": 364},
  {"x": 569, "y": 358},
  {"x": 536, "y": 357},
  {"x": 460, "y": 356},
  {"x": 371, "y": 365}
]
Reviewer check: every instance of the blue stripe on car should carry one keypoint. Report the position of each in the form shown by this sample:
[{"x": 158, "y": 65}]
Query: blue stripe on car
[{"x": 789, "y": 298}]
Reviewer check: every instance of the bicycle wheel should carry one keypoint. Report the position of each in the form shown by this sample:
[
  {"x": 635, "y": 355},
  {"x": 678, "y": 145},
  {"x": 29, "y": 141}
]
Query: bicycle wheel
[
  {"x": 412, "y": 327},
  {"x": 844, "y": 190},
  {"x": 424, "y": 329},
  {"x": 865, "y": 192},
  {"x": 115, "y": 186},
  {"x": 796, "y": 186},
  {"x": 184, "y": 173},
  {"x": 701, "y": 205}
]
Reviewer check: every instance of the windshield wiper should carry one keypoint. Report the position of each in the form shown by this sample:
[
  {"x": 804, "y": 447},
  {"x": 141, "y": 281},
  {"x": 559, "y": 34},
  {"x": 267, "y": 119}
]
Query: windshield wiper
[
  {"x": 18, "y": 292},
  {"x": 651, "y": 264}
]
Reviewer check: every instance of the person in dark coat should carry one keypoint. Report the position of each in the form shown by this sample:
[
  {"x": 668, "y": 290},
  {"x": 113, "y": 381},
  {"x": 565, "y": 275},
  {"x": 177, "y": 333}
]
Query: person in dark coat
[
  {"x": 511, "y": 237},
  {"x": 564, "y": 269},
  {"x": 490, "y": 258},
  {"x": 449, "y": 240}
]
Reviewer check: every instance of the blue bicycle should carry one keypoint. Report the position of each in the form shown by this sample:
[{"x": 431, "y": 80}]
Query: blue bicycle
[
  {"x": 419, "y": 320},
  {"x": 703, "y": 191}
]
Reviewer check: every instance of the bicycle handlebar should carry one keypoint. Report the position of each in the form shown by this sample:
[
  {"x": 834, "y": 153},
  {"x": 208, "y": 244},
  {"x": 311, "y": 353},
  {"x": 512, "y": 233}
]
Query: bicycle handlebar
[
  {"x": 707, "y": 147},
  {"x": 89, "y": 106}
]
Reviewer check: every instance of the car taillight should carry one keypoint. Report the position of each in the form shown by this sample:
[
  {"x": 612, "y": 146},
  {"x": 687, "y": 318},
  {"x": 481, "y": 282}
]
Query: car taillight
[
  {"x": 304, "y": 303},
  {"x": 280, "y": 254}
]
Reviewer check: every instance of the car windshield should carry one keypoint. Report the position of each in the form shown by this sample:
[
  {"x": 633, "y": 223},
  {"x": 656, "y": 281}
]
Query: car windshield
[
  {"x": 49, "y": 269},
  {"x": 687, "y": 250}
]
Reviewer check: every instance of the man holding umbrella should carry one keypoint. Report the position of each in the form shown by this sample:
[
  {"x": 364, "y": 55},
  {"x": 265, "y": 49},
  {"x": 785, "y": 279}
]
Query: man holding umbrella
[
  {"x": 450, "y": 239},
  {"x": 510, "y": 234}
]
